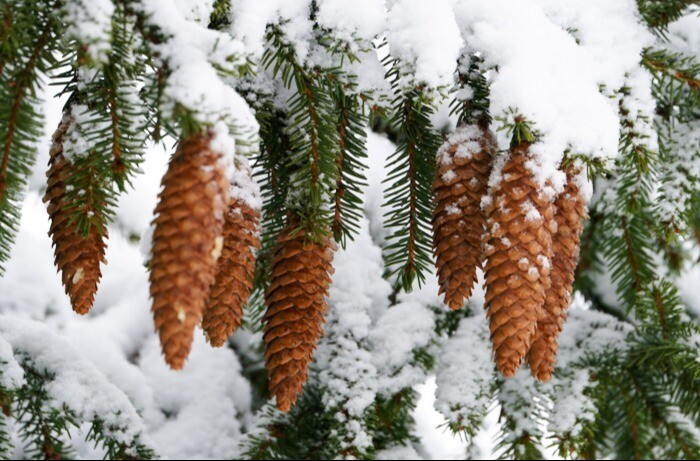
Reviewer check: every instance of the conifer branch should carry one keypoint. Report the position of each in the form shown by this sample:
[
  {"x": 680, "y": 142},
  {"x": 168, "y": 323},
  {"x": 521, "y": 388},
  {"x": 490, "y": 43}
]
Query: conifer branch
[
  {"x": 658, "y": 14},
  {"x": 27, "y": 55},
  {"x": 311, "y": 162},
  {"x": 408, "y": 254},
  {"x": 22, "y": 86},
  {"x": 347, "y": 202}
]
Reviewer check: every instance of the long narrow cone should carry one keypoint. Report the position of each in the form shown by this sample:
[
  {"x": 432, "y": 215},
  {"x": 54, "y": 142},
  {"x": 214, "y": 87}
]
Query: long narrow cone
[
  {"x": 519, "y": 252},
  {"x": 234, "y": 273},
  {"x": 77, "y": 257},
  {"x": 570, "y": 207},
  {"x": 187, "y": 241},
  {"x": 301, "y": 272},
  {"x": 464, "y": 165}
]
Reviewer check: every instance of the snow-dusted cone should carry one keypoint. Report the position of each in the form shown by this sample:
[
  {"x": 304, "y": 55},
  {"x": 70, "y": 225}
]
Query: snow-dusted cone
[
  {"x": 234, "y": 272},
  {"x": 463, "y": 168},
  {"x": 570, "y": 211},
  {"x": 301, "y": 272},
  {"x": 519, "y": 251},
  {"x": 76, "y": 256},
  {"x": 187, "y": 241}
]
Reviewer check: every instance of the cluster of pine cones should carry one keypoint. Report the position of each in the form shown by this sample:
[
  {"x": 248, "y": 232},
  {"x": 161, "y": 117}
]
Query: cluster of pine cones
[
  {"x": 206, "y": 233},
  {"x": 203, "y": 260},
  {"x": 498, "y": 217}
]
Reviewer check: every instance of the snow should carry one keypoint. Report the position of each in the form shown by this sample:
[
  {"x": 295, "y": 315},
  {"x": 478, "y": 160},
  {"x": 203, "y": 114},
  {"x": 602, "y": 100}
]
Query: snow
[
  {"x": 11, "y": 372},
  {"x": 75, "y": 382},
  {"x": 243, "y": 185},
  {"x": 252, "y": 17},
  {"x": 196, "y": 57},
  {"x": 518, "y": 398},
  {"x": 466, "y": 140},
  {"x": 560, "y": 63},
  {"x": 543, "y": 74},
  {"x": 89, "y": 22},
  {"x": 344, "y": 356},
  {"x": 379, "y": 148},
  {"x": 413, "y": 41},
  {"x": 680, "y": 174},
  {"x": 349, "y": 21},
  {"x": 684, "y": 34},
  {"x": 586, "y": 333},
  {"x": 399, "y": 331},
  {"x": 203, "y": 403},
  {"x": 465, "y": 373},
  {"x": 76, "y": 144},
  {"x": 399, "y": 452},
  {"x": 196, "y": 10}
]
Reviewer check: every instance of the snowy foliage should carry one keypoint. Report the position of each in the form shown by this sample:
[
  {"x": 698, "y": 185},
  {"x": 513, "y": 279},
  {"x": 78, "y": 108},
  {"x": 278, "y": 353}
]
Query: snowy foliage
[
  {"x": 90, "y": 24},
  {"x": 586, "y": 334},
  {"x": 348, "y": 376},
  {"x": 248, "y": 71},
  {"x": 465, "y": 375}
]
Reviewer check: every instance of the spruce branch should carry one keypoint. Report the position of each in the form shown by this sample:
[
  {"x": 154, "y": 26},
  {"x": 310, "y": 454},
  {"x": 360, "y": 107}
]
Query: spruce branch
[
  {"x": 29, "y": 57},
  {"x": 408, "y": 254},
  {"x": 658, "y": 14},
  {"x": 352, "y": 153},
  {"x": 676, "y": 83},
  {"x": 470, "y": 102},
  {"x": 311, "y": 128},
  {"x": 44, "y": 431}
]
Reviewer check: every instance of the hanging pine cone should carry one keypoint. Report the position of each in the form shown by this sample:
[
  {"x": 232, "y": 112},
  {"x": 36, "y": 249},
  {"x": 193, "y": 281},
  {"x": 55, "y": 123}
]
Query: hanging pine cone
[
  {"x": 301, "y": 272},
  {"x": 519, "y": 252},
  {"x": 76, "y": 255},
  {"x": 235, "y": 267},
  {"x": 187, "y": 241},
  {"x": 463, "y": 168},
  {"x": 570, "y": 211}
]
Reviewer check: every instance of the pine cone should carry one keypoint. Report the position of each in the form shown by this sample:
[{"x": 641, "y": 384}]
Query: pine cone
[
  {"x": 463, "y": 170},
  {"x": 301, "y": 272},
  {"x": 570, "y": 207},
  {"x": 234, "y": 273},
  {"x": 519, "y": 252},
  {"x": 76, "y": 256},
  {"x": 187, "y": 241}
]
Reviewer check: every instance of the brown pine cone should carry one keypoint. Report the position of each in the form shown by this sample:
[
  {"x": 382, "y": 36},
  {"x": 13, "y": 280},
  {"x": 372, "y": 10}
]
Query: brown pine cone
[
  {"x": 187, "y": 241},
  {"x": 570, "y": 211},
  {"x": 76, "y": 256},
  {"x": 519, "y": 252},
  {"x": 300, "y": 277},
  {"x": 234, "y": 273},
  {"x": 464, "y": 165}
]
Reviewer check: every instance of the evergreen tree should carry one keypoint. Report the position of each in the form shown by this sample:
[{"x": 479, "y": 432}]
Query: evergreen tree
[{"x": 546, "y": 170}]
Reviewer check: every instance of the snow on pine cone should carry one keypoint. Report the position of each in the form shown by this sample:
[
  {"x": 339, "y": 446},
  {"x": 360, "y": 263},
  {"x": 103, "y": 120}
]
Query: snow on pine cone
[
  {"x": 519, "y": 252},
  {"x": 300, "y": 276},
  {"x": 570, "y": 211},
  {"x": 236, "y": 266},
  {"x": 77, "y": 256},
  {"x": 187, "y": 241},
  {"x": 464, "y": 165}
]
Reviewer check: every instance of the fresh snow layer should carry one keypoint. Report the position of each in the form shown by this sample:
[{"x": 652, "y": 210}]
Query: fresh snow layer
[{"x": 90, "y": 24}]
